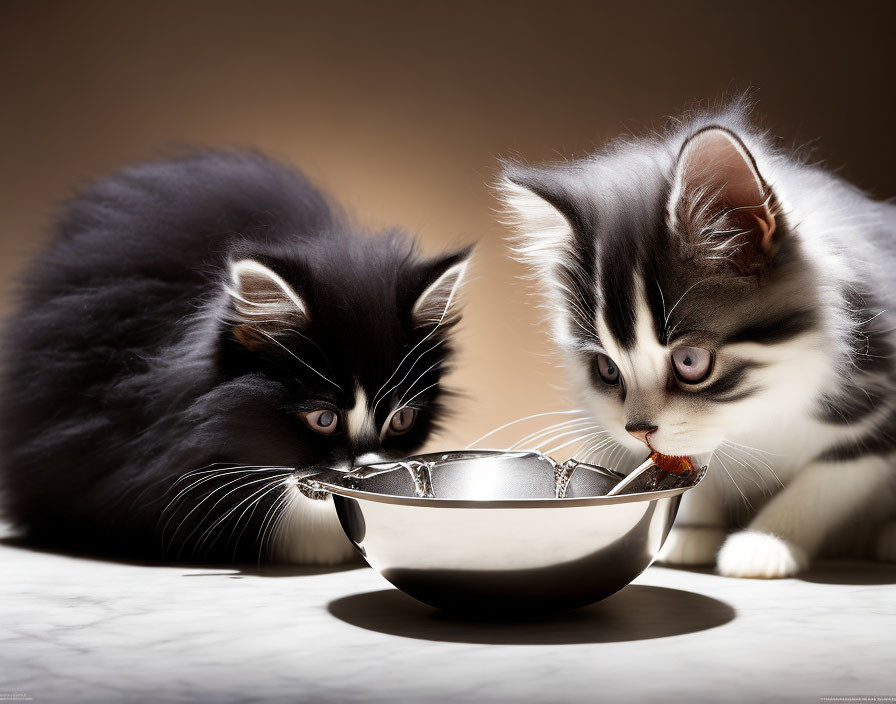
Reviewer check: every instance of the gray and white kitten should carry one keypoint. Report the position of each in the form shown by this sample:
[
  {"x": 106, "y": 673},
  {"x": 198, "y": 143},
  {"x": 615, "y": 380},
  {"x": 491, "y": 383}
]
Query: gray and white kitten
[{"x": 717, "y": 297}]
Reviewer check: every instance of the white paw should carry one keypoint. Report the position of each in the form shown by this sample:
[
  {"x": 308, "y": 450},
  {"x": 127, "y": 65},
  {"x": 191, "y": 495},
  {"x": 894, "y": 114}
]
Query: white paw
[
  {"x": 885, "y": 546},
  {"x": 692, "y": 546},
  {"x": 751, "y": 553}
]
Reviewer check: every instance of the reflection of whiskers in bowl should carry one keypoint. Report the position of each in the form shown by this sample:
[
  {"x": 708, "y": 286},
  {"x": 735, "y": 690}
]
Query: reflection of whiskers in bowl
[{"x": 500, "y": 531}]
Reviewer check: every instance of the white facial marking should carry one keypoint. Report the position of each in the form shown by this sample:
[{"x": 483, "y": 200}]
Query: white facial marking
[{"x": 359, "y": 419}]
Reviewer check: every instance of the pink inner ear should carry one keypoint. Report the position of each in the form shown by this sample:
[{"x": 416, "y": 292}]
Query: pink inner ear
[
  {"x": 716, "y": 168},
  {"x": 767, "y": 225}
]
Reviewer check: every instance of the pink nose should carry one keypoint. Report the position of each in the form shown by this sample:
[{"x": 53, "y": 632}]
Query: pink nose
[{"x": 640, "y": 431}]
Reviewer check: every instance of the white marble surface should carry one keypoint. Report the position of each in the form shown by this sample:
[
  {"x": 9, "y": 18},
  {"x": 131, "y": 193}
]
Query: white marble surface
[{"x": 80, "y": 630}]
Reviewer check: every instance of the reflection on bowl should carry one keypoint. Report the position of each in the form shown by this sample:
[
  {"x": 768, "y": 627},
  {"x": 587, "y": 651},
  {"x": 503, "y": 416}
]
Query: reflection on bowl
[{"x": 497, "y": 531}]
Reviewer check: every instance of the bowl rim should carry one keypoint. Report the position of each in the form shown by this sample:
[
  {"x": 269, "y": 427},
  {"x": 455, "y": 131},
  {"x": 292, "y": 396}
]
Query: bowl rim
[{"x": 314, "y": 483}]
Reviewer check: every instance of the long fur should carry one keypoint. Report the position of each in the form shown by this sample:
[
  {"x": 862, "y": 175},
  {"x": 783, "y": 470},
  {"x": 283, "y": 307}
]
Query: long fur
[
  {"x": 798, "y": 417},
  {"x": 148, "y": 409}
]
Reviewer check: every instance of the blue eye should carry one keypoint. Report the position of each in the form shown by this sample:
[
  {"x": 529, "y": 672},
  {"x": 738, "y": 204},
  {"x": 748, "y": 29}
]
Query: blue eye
[
  {"x": 322, "y": 421},
  {"x": 607, "y": 369}
]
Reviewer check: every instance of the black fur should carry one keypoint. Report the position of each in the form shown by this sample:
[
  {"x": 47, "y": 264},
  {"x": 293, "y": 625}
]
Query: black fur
[{"x": 122, "y": 373}]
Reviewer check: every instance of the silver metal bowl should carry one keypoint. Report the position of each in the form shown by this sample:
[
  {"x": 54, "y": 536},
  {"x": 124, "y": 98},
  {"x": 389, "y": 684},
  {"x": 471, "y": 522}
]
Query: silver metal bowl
[{"x": 492, "y": 531}]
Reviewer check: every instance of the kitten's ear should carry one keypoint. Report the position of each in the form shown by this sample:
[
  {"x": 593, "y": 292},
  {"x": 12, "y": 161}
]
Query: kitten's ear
[
  {"x": 539, "y": 206},
  {"x": 720, "y": 199},
  {"x": 440, "y": 282},
  {"x": 553, "y": 214},
  {"x": 262, "y": 303}
]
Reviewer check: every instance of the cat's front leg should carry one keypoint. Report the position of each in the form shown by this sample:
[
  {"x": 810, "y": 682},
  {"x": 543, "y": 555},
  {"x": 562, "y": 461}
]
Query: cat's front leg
[
  {"x": 789, "y": 531},
  {"x": 699, "y": 529}
]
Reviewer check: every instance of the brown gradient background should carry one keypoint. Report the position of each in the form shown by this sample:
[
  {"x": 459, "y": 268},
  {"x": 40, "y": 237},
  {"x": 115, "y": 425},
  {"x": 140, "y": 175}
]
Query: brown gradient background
[{"x": 401, "y": 109}]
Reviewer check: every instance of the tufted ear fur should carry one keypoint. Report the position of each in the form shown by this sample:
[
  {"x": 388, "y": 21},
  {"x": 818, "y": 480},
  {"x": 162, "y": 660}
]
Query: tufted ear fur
[
  {"x": 552, "y": 211},
  {"x": 539, "y": 206},
  {"x": 720, "y": 199},
  {"x": 438, "y": 303},
  {"x": 262, "y": 303}
]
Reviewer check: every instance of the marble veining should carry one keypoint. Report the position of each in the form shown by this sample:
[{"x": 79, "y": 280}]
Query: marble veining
[{"x": 82, "y": 630}]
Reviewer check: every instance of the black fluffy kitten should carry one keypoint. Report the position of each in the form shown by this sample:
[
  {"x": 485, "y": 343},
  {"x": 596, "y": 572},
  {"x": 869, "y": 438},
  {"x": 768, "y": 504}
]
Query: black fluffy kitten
[{"x": 198, "y": 328}]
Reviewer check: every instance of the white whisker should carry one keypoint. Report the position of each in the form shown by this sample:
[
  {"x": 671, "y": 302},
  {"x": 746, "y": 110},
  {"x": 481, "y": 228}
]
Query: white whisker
[
  {"x": 298, "y": 359},
  {"x": 432, "y": 332},
  {"x": 420, "y": 393},
  {"x": 214, "y": 474},
  {"x": 202, "y": 501},
  {"x": 578, "y": 439},
  {"x": 736, "y": 485},
  {"x": 531, "y": 437},
  {"x": 411, "y": 387},
  {"x": 206, "y": 534},
  {"x": 520, "y": 420},
  {"x": 273, "y": 513}
]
